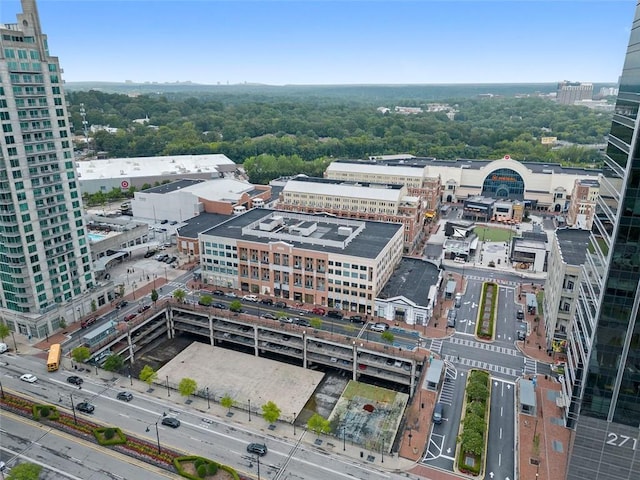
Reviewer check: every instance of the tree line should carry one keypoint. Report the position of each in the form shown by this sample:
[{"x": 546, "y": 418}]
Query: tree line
[{"x": 301, "y": 135}]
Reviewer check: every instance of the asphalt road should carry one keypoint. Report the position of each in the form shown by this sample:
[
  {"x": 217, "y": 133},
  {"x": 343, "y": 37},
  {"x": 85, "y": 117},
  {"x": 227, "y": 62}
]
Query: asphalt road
[{"x": 500, "y": 463}]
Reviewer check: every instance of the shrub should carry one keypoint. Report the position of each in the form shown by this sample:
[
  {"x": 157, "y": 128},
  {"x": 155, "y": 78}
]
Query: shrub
[
  {"x": 208, "y": 465},
  {"x": 44, "y": 411},
  {"x": 198, "y": 462},
  {"x": 48, "y": 412},
  {"x": 202, "y": 471},
  {"x": 109, "y": 436},
  {"x": 212, "y": 469}
]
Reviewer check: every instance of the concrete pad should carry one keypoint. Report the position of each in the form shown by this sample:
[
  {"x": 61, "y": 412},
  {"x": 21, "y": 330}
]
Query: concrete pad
[{"x": 244, "y": 377}]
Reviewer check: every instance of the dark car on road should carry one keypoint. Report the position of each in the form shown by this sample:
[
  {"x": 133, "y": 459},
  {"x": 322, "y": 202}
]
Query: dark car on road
[
  {"x": 85, "y": 407},
  {"x": 521, "y": 335},
  {"x": 125, "y": 396},
  {"x": 171, "y": 422},
  {"x": 257, "y": 448},
  {"x": 520, "y": 315},
  {"x": 130, "y": 317},
  {"x": 143, "y": 308},
  {"x": 219, "y": 305},
  {"x": 75, "y": 380},
  {"x": 269, "y": 316},
  {"x": 87, "y": 321},
  {"x": 219, "y": 293},
  {"x": 280, "y": 305},
  {"x": 356, "y": 319},
  {"x": 266, "y": 301},
  {"x": 122, "y": 304},
  {"x": 334, "y": 314},
  {"x": 303, "y": 322}
]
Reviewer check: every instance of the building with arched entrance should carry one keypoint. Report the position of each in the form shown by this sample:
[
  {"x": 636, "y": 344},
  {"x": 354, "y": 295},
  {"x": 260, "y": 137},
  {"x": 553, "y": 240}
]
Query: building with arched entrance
[{"x": 537, "y": 185}]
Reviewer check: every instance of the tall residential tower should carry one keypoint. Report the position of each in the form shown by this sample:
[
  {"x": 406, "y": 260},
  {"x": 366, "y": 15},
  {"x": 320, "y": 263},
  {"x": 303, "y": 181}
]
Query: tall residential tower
[
  {"x": 45, "y": 263},
  {"x": 605, "y": 339}
]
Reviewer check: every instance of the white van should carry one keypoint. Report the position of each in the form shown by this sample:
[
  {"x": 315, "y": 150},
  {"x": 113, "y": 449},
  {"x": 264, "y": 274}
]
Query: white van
[{"x": 3, "y": 347}]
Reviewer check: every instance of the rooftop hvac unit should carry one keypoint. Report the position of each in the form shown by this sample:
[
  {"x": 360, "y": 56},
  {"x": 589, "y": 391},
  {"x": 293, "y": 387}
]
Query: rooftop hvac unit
[{"x": 345, "y": 231}]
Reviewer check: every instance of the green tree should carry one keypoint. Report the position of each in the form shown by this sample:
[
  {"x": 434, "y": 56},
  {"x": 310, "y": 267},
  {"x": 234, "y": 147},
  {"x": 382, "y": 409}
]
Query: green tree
[
  {"x": 94, "y": 306},
  {"x": 62, "y": 323},
  {"x": 148, "y": 374},
  {"x": 4, "y": 330},
  {"x": 205, "y": 300},
  {"x": 81, "y": 354},
  {"x": 318, "y": 424},
  {"x": 271, "y": 412},
  {"x": 113, "y": 363},
  {"x": 25, "y": 471},
  {"x": 187, "y": 387},
  {"x": 227, "y": 401},
  {"x": 179, "y": 295},
  {"x": 154, "y": 296},
  {"x": 235, "y": 306},
  {"x": 316, "y": 323},
  {"x": 387, "y": 337},
  {"x": 472, "y": 441},
  {"x": 477, "y": 391}
]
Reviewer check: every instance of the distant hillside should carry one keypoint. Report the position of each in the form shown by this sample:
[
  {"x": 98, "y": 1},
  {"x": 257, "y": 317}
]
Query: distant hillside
[{"x": 365, "y": 93}]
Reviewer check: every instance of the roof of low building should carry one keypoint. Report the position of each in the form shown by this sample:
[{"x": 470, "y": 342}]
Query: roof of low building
[
  {"x": 412, "y": 279},
  {"x": 196, "y": 225},
  {"x": 152, "y": 166},
  {"x": 366, "y": 240}
]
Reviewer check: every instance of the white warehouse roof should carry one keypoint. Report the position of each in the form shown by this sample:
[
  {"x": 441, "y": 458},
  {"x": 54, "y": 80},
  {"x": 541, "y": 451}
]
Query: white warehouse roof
[
  {"x": 349, "y": 190},
  {"x": 386, "y": 170}
]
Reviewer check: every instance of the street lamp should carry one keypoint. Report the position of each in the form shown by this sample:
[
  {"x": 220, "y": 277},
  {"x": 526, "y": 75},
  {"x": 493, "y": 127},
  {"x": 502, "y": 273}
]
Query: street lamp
[
  {"x": 294, "y": 421},
  {"x": 344, "y": 438},
  {"x": 208, "y": 402},
  {"x": 1, "y": 390},
  {"x": 258, "y": 461},
  {"x": 157, "y": 432},
  {"x": 73, "y": 407},
  {"x": 168, "y": 391},
  {"x": 15, "y": 345},
  {"x": 249, "y": 409}
]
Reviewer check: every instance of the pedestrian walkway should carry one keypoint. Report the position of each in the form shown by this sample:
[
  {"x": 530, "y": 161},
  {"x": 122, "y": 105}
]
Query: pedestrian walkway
[
  {"x": 466, "y": 362},
  {"x": 484, "y": 346}
]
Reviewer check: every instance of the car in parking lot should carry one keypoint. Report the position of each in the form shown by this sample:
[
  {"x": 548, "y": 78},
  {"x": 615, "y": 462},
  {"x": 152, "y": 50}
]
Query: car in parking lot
[
  {"x": 29, "y": 378},
  {"x": 149, "y": 253},
  {"x": 85, "y": 407},
  {"x": 379, "y": 327},
  {"x": 125, "y": 396},
  {"x": 171, "y": 422},
  {"x": 250, "y": 298},
  {"x": 75, "y": 380},
  {"x": 257, "y": 448},
  {"x": 173, "y": 222},
  {"x": 161, "y": 257}
]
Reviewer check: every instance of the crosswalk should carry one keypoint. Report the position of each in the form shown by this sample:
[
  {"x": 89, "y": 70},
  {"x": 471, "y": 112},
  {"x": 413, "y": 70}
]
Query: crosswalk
[
  {"x": 482, "y": 345},
  {"x": 530, "y": 366},
  {"x": 511, "y": 283},
  {"x": 436, "y": 346},
  {"x": 511, "y": 372}
]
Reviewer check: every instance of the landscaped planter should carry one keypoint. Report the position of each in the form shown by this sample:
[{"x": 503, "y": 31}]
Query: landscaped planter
[
  {"x": 487, "y": 311},
  {"x": 472, "y": 447},
  {"x": 109, "y": 436},
  {"x": 198, "y": 468}
]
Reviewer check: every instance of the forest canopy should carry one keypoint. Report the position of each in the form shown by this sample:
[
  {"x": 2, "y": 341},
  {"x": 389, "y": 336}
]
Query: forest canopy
[{"x": 276, "y": 136}]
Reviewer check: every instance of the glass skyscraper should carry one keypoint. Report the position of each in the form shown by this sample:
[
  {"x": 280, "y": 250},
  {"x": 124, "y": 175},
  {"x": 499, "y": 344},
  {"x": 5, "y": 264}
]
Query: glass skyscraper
[
  {"x": 45, "y": 262},
  {"x": 606, "y": 444}
]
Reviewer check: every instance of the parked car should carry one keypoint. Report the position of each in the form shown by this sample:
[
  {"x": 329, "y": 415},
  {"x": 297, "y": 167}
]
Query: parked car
[
  {"x": 29, "y": 378},
  {"x": 334, "y": 314},
  {"x": 122, "y": 304},
  {"x": 438, "y": 410},
  {"x": 520, "y": 315},
  {"x": 219, "y": 293},
  {"x": 219, "y": 305},
  {"x": 161, "y": 257},
  {"x": 4, "y": 347},
  {"x": 451, "y": 318},
  {"x": 269, "y": 316},
  {"x": 125, "y": 396},
  {"x": 87, "y": 321},
  {"x": 250, "y": 298},
  {"x": 303, "y": 322},
  {"x": 318, "y": 311},
  {"x": 280, "y": 304},
  {"x": 379, "y": 327},
  {"x": 173, "y": 222},
  {"x": 171, "y": 422},
  {"x": 75, "y": 380},
  {"x": 458, "y": 300},
  {"x": 164, "y": 222},
  {"x": 130, "y": 317},
  {"x": 521, "y": 335},
  {"x": 143, "y": 308},
  {"x": 149, "y": 253},
  {"x": 266, "y": 301},
  {"x": 257, "y": 448},
  {"x": 231, "y": 295},
  {"x": 357, "y": 319},
  {"x": 85, "y": 407}
]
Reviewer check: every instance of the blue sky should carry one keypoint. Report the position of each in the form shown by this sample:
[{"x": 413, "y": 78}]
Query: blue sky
[{"x": 336, "y": 42}]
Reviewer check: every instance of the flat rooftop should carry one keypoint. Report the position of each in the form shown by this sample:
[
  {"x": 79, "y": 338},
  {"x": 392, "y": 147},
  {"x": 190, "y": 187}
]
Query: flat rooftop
[
  {"x": 244, "y": 377},
  {"x": 172, "y": 186},
  {"x": 412, "y": 279},
  {"x": 366, "y": 240},
  {"x": 151, "y": 166},
  {"x": 573, "y": 244},
  {"x": 196, "y": 225}
]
